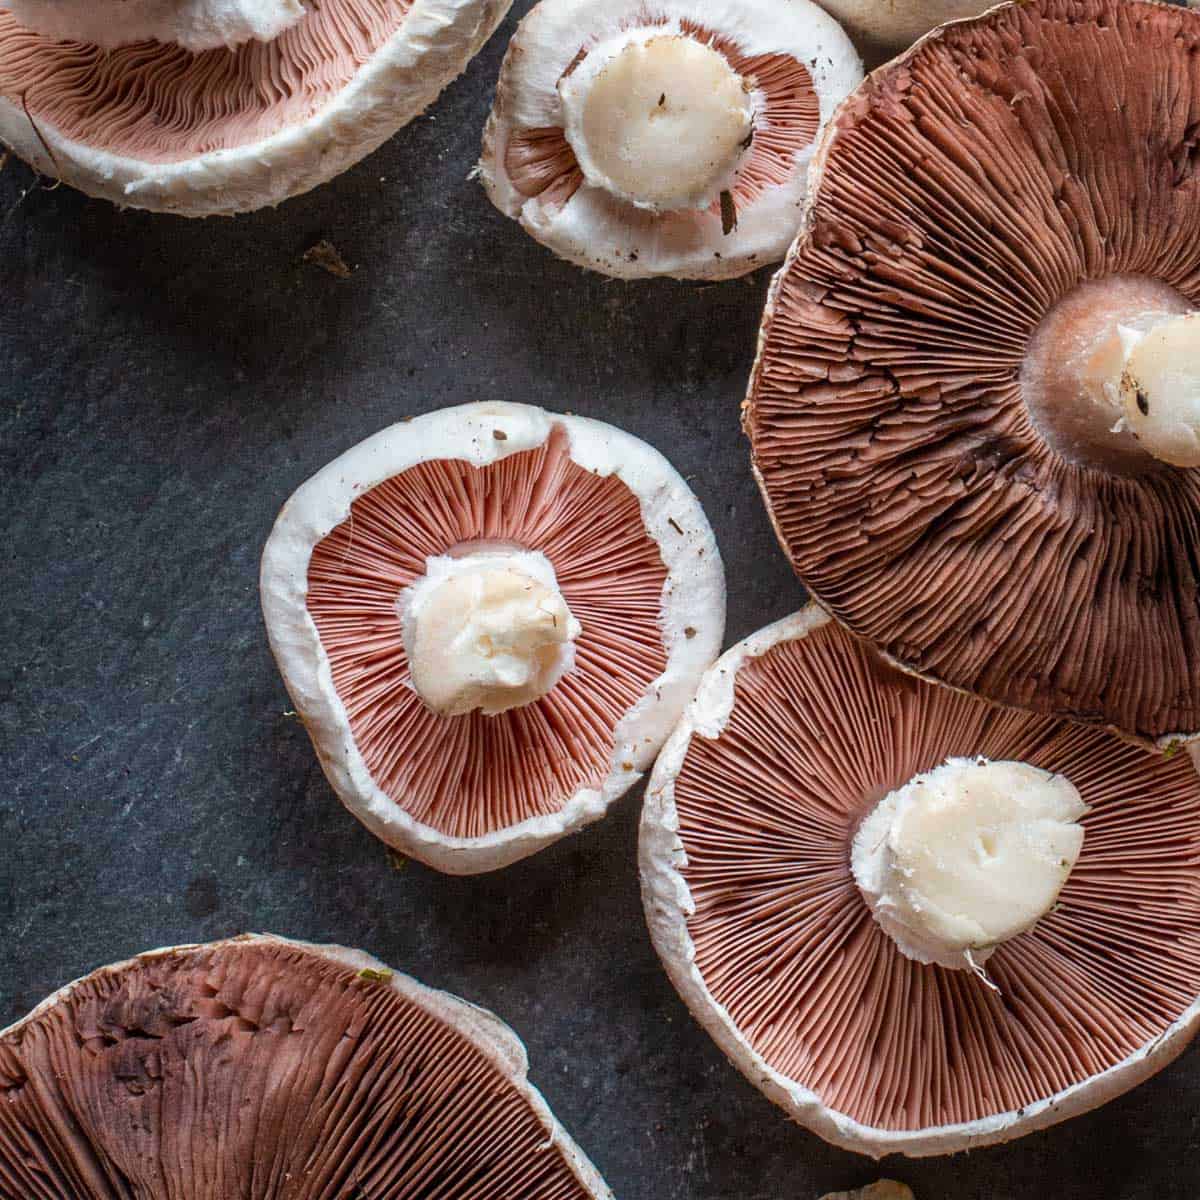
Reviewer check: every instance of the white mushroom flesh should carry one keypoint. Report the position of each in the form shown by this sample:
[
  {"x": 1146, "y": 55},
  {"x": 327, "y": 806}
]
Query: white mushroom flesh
[
  {"x": 661, "y": 122},
  {"x": 1160, "y": 387},
  {"x": 967, "y": 856},
  {"x": 487, "y": 631},
  {"x": 194, "y": 24}
]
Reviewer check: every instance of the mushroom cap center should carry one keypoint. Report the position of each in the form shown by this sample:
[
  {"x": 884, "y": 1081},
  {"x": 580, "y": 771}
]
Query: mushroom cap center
[
  {"x": 967, "y": 856},
  {"x": 488, "y": 630},
  {"x": 1073, "y": 374},
  {"x": 193, "y": 24},
  {"x": 660, "y": 121}
]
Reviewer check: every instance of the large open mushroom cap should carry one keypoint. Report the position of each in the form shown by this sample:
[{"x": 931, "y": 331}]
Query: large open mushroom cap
[
  {"x": 153, "y": 125},
  {"x": 635, "y": 561},
  {"x": 795, "y": 736},
  {"x": 796, "y": 65},
  {"x": 1007, "y": 169},
  {"x": 269, "y": 1068}
]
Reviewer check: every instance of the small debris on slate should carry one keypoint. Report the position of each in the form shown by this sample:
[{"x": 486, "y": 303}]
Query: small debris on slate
[{"x": 324, "y": 254}]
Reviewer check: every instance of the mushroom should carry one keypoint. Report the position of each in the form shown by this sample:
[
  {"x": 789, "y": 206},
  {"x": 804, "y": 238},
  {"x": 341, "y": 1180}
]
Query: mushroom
[
  {"x": 670, "y": 140},
  {"x": 882, "y": 30},
  {"x": 233, "y": 104},
  {"x": 821, "y": 826},
  {"x": 490, "y": 618},
  {"x": 1002, "y": 244},
  {"x": 270, "y": 1068}
]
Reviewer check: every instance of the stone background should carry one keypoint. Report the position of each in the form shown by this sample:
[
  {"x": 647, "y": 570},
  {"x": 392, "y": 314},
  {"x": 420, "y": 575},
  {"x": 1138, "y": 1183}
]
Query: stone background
[{"x": 164, "y": 385}]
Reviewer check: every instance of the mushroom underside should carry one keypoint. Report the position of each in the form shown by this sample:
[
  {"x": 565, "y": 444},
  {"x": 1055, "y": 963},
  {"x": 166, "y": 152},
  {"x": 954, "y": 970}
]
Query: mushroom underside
[
  {"x": 541, "y": 164},
  {"x": 820, "y": 731},
  {"x": 972, "y": 188},
  {"x": 688, "y": 216},
  {"x": 163, "y": 104},
  {"x": 471, "y": 775},
  {"x": 263, "y": 1068}
]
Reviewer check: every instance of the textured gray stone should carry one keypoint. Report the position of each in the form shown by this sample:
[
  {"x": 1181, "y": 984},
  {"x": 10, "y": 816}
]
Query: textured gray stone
[{"x": 164, "y": 385}]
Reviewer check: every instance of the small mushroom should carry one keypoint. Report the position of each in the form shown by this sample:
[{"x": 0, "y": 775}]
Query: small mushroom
[
  {"x": 490, "y": 618},
  {"x": 203, "y": 107},
  {"x": 917, "y": 921},
  {"x": 270, "y": 1068},
  {"x": 673, "y": 140},
  {"x": 975, "y": 415}
]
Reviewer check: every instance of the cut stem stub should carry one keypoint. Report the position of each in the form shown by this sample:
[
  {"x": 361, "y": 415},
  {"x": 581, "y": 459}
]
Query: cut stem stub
[
  {"x": 967, "y": 856},
  {"x": 660, "y": 121},
  {"x": 487, "y": 630},
  {"x": 1112, "y": 376},
  {"x": 1160, "y": 386}
]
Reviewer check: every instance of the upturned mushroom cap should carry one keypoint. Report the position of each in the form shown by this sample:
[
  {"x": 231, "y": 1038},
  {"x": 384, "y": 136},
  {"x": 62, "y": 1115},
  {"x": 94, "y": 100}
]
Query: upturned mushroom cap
[
  {"x": 1013, "y": 177},
  {"x": 794, "y": 737},
  {"x": 270, "y": 1068},
  {"x": 680, "y": 186},
  {"x": 152, "y": 125},
  {"x": 618, "y": 535}
]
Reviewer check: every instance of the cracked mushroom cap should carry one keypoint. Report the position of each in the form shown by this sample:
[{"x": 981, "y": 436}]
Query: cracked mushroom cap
[
  {"x": 301, "y": 92},
  {"x": 795, "y": 737},
  {"x": 270, "y": 1068},
  {"x": 490, "y": 618},
  {"x": 934, "y": 414},
  {"x": 673, "y": 140}
]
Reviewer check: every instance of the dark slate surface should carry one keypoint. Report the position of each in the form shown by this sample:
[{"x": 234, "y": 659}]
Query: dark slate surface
[{"x": 164, "y": 385}]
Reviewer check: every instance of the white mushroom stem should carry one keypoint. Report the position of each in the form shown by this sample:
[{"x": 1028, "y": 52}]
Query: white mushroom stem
[
  {"x": 193, "y": 24},
  {"x": 487, "y": 631},
  {"x": 1074, "y": 375},
  {"x": 657, "y": 119},
  {"x": 967, "y": 856},
  {"x": 1160, "y": 386}
]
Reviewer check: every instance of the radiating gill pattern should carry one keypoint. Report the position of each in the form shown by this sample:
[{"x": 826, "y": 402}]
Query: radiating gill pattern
[
  {"x": 468, "y": 776},
  {"x": 967, "y": 192},
  {"x": 260, "y": 1069},
  {"x": 821, "y": 731},
  {"x": 164, "y": 104}
]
